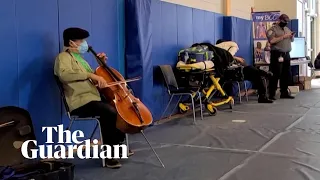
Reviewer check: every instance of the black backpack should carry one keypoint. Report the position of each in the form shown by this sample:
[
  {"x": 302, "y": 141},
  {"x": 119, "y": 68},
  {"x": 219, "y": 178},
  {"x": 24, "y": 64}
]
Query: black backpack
[{"x": 317, "y": 62}]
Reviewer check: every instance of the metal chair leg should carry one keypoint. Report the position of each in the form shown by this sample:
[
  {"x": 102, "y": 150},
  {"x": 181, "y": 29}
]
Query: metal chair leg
[
  {"x": 175, "y": 105},
  {"x": 95, "y": 129},
  {"x": 127, "y": 143},
  {"x": 101, "y": 139},
  {"x": 245, "y": 87},
  {"x": 200, "y": 106},
  {"x": 71, "y": 123},
  {"x": 239, "y": 92},
  {"x": 152, "y": 148},
  {"x": 193, "y": 109},
  {"x": 167, "y": 106}
]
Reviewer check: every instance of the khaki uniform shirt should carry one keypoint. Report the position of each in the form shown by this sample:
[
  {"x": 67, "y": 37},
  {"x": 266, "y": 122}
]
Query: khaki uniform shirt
[
  {"x": 277, "y": 31},
  {"x": 78, "y": 88}
]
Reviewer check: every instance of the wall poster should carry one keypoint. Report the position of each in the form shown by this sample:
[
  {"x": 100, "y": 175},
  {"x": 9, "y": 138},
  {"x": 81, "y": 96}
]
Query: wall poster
[{"x": 262, "y": 21}]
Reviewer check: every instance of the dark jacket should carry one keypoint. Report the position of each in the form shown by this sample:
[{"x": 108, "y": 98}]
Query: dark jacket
[
  {"x": 317, "y": 62},
  {"x": 222, "y": 58}
]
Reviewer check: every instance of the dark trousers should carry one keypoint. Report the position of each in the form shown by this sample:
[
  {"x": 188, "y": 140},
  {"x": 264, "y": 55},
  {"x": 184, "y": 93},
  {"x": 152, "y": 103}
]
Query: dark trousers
[
  {"x": 256, "y": 77},
  {"x": 280, "y": 70},
  {"x": 108, "y": 116}
]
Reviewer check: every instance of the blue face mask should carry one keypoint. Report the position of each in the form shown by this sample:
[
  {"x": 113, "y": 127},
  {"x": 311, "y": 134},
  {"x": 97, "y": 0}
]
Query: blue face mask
[{"x": 83, "y": 48}]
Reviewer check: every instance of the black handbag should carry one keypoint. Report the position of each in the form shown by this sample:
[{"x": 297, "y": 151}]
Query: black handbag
[
  {"x": 15, "y": 127},
  {"x": 234, "y": 74},
  {"x": 317, "y": 64}
]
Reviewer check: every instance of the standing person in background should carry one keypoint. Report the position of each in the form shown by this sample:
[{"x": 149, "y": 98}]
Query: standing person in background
[{"x": 280, "y": 38}]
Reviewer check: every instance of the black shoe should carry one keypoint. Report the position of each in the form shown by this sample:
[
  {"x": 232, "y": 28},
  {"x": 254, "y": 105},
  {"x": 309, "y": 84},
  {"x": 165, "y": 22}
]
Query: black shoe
[
  {"x": 272, "y": 98},
  {"x": 286, "y": 96},
  {"x": 264, "y": 100},
  {"x": 113, "y": 163},
  {"x": 130, "y": 153},
  {"x": 269, "y": 74}
]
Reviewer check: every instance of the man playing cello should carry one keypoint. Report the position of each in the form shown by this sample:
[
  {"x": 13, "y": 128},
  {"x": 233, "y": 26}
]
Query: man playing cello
[{"x": 79, "y": 83}]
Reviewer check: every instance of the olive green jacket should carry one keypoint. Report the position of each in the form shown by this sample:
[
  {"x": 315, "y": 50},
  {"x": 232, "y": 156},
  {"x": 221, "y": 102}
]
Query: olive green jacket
[{"x": 78, "y": 88}]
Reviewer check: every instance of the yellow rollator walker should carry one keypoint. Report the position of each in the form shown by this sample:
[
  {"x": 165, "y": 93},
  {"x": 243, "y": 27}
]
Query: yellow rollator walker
[{"x": 203, "y": 73}]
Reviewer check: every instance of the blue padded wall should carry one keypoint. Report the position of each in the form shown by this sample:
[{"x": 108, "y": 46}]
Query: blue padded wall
[
  {"x": 240, "y": 31},
  {"x": 139, "y": 47},
  {"x": 31, "y": 33},
  {"x": 9, "y": 91},
  {"x": 101, "y": 19},
  {"x": 29, "y": 43},
  {"x": 294, "y": 26},
  {"x": 175, "y": 27}
]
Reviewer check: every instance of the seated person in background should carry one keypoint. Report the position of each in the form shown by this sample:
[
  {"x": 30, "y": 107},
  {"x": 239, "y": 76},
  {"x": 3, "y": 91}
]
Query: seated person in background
[
  {"x": 79, "y": 84},
  {"x": 250, "y": 73}
]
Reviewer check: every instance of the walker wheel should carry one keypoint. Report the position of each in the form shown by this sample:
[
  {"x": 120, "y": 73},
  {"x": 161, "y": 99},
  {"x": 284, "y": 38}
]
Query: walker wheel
[
  {"x": 183, "y": 108},
  {"x": 182, "y": 111},
  {"x": 212, "y": 110}
]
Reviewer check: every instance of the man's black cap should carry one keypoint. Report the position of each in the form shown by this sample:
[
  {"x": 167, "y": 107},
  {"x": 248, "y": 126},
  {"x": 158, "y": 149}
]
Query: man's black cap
[
  {"x": 74, "y": 33},
  {"x": 284, "y": 17}
]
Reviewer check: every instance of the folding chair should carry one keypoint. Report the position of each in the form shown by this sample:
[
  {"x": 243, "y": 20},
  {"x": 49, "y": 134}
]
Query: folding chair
[
  {"x": 175, "y": 90},
  {"x": 245, "y": 89},
  {"x": 231, "y": 78},
  {"x": 76, "y": 118}
]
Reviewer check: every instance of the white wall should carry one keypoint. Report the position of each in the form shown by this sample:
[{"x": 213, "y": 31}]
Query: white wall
[
  {"x": 242, "y": 8},
  {"x": 209, "y": 5},
  {"x": 288, "y": 7},
  {"x": 239, "y": 8}
]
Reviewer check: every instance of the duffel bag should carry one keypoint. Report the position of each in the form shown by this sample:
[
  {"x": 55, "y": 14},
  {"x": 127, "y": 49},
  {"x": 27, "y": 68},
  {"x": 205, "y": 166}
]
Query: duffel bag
[
  {"x": 195, "y": 54},
  {"x": 38, "y": 170}
]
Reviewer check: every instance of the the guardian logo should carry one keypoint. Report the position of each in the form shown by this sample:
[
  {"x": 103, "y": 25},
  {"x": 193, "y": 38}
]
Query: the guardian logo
[{"x": 63, "y": 151}]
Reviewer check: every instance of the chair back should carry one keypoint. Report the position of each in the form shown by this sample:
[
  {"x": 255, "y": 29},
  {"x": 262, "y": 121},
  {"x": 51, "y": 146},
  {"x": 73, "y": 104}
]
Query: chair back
[
  {"x": 169, "y": 76},
  {"x": 63, "y": 97}
]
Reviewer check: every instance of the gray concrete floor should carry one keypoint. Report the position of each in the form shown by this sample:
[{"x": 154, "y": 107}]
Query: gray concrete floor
[{"x": 279, "y": 141}]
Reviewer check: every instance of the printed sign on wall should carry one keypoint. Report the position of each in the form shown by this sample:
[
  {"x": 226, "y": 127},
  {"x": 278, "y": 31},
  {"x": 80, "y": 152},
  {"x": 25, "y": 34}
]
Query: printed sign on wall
[{"x": 262, "y": 21}]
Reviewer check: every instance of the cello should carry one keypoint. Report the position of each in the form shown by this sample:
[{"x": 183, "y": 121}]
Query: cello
[{"x": 133, "y": 115}]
